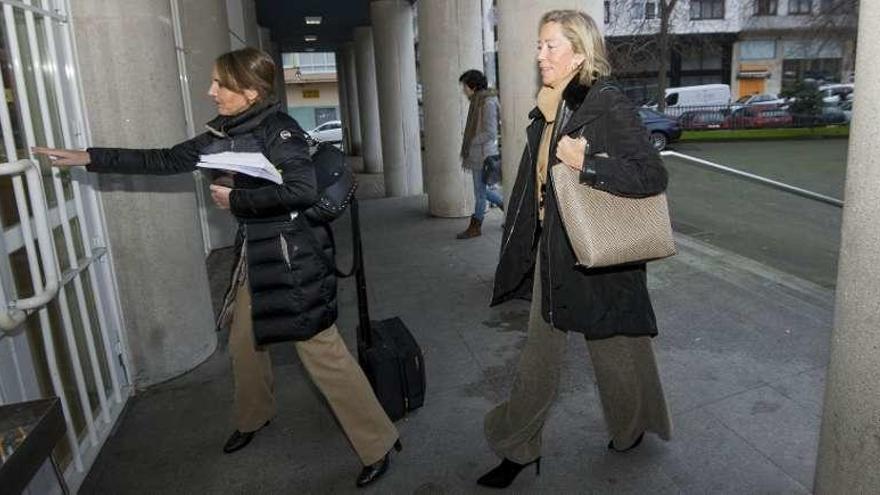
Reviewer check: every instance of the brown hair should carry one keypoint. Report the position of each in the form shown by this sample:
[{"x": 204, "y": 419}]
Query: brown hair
[
  {"x": 586, "y": 39},
  {"x": 247, "y": 68}
]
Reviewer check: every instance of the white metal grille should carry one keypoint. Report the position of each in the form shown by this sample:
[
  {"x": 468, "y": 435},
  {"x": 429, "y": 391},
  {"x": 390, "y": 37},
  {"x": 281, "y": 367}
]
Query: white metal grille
[{"x": 60, "y": 327}]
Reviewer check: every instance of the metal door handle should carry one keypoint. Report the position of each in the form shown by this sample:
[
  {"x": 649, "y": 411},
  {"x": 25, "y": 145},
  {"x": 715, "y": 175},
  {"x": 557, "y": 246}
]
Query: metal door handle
[{"x": 15, "y": 312}]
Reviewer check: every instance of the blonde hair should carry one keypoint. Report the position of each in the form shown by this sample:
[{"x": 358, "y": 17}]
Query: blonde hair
[{"x": 581, "y": 30}]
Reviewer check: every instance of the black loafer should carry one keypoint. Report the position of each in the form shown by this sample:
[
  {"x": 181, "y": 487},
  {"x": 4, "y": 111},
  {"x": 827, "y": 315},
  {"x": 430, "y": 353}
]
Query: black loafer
[
  {"x": 239, "y": 440},
  {"x": 503, "y": 475},
  {"x": 634, "y": 445},
  {"x": 374, "y": 471}
]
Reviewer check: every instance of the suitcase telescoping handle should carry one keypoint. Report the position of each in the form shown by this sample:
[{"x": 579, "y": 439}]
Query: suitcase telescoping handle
[{"x": 364, "y": 331}]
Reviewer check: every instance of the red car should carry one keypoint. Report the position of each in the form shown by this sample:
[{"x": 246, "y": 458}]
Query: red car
[{"x": 757, "y": 117}]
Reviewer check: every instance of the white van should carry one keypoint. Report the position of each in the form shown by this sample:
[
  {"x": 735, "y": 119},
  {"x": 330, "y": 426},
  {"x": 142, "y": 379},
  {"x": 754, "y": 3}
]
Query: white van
[{"x": 703, "y": 95}]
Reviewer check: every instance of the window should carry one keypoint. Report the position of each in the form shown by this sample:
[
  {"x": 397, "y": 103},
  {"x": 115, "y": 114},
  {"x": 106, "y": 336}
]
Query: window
[
  {"x": 800, "y": 7},
  {"x": 325, "y": 114},
  {"x": 766, "y": 7},
  {"x": 838, "y": 7},
  {"x": 650, "y": 10},
  {"x": 310, "y": 63},
  {"x": 707, "y": 9},
  {"x": 757, "y": 50},
  {"x": 288, "y": 60}
]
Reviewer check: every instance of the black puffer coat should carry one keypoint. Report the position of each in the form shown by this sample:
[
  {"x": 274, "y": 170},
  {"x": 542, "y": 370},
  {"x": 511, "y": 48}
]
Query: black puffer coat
[
  {"x": 293, "y": 286},
  {"x": 599, "y": 303}
]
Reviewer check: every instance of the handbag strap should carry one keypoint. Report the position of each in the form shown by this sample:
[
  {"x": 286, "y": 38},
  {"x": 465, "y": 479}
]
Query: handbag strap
[
  {"x": 331, "y": 262},
  {"x": 364, "y": 328}
]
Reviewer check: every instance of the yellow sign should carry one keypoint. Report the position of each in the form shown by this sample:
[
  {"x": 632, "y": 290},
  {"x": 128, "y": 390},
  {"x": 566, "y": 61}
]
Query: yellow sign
[{"x": 311, "y": 93}]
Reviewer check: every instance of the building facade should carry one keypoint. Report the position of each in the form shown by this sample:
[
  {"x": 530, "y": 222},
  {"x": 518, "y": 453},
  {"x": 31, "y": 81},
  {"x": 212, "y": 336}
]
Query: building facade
[
  {"x": 755, "y": 46},
  {"x": 312, "y": 88}
]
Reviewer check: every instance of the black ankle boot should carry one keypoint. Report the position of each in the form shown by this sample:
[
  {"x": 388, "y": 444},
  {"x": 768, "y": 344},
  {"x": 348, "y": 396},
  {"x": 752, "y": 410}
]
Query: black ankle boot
[
  {"x": 504, "y": 474},
  {"x": 634, "y": 445},
  {"x": 375, "y": 471}
]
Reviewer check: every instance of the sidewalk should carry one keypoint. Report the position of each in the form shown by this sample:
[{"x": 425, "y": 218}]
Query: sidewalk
[{"x": 742, "y": 351}]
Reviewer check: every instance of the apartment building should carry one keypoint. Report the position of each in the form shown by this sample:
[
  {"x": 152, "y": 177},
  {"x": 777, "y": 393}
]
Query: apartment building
[{"x": 756, "y": 46}]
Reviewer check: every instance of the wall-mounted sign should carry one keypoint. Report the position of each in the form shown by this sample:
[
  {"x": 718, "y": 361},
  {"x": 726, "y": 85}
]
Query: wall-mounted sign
[{"x": 311, "y": 93}]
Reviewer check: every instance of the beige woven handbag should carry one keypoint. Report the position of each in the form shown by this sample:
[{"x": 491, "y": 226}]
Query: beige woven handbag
[{"x": 608, "y": 230}]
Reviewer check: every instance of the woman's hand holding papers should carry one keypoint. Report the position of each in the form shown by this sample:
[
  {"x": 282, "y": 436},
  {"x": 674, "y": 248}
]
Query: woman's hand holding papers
[{"x": 220, "y": 195}]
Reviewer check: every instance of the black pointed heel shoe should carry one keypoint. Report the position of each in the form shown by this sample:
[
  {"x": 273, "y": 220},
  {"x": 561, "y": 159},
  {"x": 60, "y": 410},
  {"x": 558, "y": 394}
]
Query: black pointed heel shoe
[
  {"x": 375, "y": 471},
  {"x": 504, "y": 474},
  {"x": 239, "y": 440},
  {"x": 634, "y": 445}
]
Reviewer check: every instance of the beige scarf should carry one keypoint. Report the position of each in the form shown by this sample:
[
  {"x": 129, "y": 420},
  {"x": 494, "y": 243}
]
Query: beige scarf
[
  {"x": 548, "y": 103},
  {"x": 475, "y": 118}
]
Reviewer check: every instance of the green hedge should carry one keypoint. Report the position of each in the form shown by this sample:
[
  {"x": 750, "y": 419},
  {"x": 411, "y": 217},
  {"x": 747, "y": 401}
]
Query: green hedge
[{"x": 759, "y": 134}]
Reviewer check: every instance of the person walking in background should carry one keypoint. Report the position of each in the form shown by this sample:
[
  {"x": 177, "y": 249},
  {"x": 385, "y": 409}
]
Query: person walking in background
[
  {"x": 280, "y": 288},
  {"x": 610, "y": 306},
  {"x": 480, "y": 142}
]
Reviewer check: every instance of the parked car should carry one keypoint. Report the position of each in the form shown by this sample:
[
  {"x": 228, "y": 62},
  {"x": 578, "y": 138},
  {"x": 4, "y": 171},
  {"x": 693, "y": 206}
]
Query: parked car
[
  {"x": 695, "y": 96},
  {"x": 836, "y": 93},
  {"x": 846, "y": 108},
  {"x": 703, "y": 119},
  {"x": 833, "y": 114},
  {"x": 758, "y": 117},
  {"x": 662, "y": 128},
  {"x": 330, "y": 131},
  {"x": 757, "y": 99}
]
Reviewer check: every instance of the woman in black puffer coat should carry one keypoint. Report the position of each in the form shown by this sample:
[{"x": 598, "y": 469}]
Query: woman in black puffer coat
[{"x": 282, "y": 288}]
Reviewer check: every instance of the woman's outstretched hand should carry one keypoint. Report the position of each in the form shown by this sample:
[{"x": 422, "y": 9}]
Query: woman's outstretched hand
[
  {"x": 63, "y": 158},
  {"x": 220, "y": 195},
  {"x": 571, "y": 151}
]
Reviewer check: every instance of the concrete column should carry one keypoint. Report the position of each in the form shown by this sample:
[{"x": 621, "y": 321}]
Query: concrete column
[
  {"x": 517, "y": 69},
  {"x": 205, "y": 38},
  {"x": 344, "y": 115},
  {"x": 398, "y": 105},
  {"x": 351, "y": 85},
  {"x": 849, "y": 446},
  {"x": 152, "y": 222},
  {"x": 489, "y": 52},
  {"x": 456, "y": 45},
  {"x": 271, "y": 47},
  {"x": 368, "y": 100},
  {"x": 243, "y": 28}
]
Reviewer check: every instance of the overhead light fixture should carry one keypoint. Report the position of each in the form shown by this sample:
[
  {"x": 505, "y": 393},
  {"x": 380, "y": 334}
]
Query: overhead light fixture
[
  {"x": 310, "y": 38},
  {"x": 310, "y": 50},
  {"x": 313, "y": 20}
]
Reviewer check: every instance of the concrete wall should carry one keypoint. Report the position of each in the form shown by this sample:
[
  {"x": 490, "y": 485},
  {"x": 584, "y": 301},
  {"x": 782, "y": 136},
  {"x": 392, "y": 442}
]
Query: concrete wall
[
  {"x": 329, "y": 95},
  {"x": 303, "y": 109},
  {"x": 132, "y": 94}
]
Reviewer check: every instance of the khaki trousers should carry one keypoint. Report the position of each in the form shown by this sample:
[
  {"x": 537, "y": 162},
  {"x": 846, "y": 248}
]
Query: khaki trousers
[
  {"x": 626, "y": 375},
  {"x": 330, "y": 366}
]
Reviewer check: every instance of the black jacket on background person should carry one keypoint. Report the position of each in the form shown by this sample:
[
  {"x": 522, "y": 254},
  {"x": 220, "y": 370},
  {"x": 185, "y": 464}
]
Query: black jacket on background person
[
  {"x": 602, "y": 302},
  {"x": 293, "y": 288}
]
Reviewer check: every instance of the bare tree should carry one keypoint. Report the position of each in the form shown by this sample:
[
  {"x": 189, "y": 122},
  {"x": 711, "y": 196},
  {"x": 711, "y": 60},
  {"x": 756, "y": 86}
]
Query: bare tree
[
  {"x": 667, "y": 7},
  {"x": 646, "y": 34}
]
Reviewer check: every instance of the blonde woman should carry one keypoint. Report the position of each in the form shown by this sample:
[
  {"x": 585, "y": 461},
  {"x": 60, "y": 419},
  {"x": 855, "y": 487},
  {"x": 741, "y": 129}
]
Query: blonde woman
[{"x": 584, "y": 122}]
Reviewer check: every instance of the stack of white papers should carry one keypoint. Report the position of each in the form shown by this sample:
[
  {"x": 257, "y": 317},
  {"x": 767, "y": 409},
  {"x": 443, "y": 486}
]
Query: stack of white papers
[{"x": 253, "y": 164}]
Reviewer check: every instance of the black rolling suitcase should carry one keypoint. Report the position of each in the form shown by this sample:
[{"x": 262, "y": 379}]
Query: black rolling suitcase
[{"x": 387, "y": 351}]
